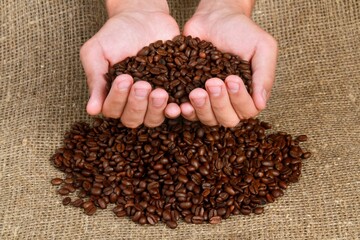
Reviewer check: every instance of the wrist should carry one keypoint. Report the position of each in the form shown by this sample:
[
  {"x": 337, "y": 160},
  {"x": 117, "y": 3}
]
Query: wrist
[
  {"x": 241, "y": 6},
  {"x": 114, "y": 7}
]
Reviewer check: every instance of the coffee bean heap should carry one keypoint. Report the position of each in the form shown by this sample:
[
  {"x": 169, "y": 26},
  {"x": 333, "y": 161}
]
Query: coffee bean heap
[
  {"x": 181, "y": 65},
  {"x": 180, "y": 169}
]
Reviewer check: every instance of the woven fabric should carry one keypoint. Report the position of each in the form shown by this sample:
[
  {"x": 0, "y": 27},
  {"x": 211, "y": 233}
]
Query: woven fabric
[{"x": 317, "y": 92}]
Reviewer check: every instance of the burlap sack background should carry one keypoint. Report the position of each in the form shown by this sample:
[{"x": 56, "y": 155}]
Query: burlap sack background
[{"x": 43, "y": 90}]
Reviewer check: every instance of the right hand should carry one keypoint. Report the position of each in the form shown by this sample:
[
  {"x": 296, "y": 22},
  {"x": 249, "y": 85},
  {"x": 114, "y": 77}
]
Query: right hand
[{"x": 131, "y": 26}]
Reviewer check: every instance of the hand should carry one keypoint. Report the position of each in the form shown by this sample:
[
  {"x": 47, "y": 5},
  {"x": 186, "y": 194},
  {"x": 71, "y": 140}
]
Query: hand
[
  {"x": 228, "y": 26},
  {"x": 132, "y": 24}
]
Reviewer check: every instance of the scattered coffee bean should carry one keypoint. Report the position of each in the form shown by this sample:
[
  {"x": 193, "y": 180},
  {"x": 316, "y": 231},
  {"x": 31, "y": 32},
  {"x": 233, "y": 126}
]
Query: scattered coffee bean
[
  {"x": 66, "y": 201},
  {"x": 56, "y": 181}
]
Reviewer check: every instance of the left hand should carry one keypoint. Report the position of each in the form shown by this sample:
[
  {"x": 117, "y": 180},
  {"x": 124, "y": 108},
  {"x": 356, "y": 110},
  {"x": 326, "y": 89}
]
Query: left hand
[{"x": 229, "y": 27}]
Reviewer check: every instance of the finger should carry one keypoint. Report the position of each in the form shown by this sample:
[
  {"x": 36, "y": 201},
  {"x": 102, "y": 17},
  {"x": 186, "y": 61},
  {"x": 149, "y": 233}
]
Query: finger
[
  {"x": 220, "y": 103},
  {"x": 157, "y": 104},
  {"x": 188, "y": 111},
  {"x": 95, "y": 67},
  {"x": 263, "y": 65},
  {"x": 136, "y": 105},
  {"x": 172, "y": 110},
  {"x": 241, "y": 100},
  {"x": 201, "y": 103},
  {"x": 116, "y": 99}
]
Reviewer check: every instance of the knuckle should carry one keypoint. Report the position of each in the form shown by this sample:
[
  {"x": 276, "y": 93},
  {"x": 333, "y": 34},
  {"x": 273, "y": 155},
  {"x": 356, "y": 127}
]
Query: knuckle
[
  {"x": 131, "y": 124},
  {"x": 137, "y": 108},
  {"x": 230, "y": 124},
  {"x": 152, "y": 124},
  {"x": 271, "y": 41},
  {"x": 84, "y": 48},
  {"x": 110, "y": 115}
]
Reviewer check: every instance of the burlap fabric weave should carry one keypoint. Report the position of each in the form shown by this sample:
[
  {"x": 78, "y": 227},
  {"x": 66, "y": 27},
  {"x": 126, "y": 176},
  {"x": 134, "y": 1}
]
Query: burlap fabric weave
[{"x": 317, "y": 92}]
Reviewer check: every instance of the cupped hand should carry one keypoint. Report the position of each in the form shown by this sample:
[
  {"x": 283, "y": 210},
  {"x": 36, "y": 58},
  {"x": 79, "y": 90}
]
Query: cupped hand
[
  {"x": 123, "y": 35},
  {"x": 231, "y": 30}
]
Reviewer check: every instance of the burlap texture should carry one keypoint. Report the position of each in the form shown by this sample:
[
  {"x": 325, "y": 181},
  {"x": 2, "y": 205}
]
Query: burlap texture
[{"x": 43, "y": 90}]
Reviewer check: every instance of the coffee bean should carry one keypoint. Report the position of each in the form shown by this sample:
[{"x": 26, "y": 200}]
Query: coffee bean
[
  {"x": 56, "y": 181},
  {"x": 63, "y": 191},
  {"x": 78, "y": 202},
  {"x": 66, "y": 201},
  {"x": 171, "y": 224},
  {"x": 215, "y": 220},
  {"x": 306, "y": 155},
  {"x": 302, "y": 138},
  {"x": 96, "y": 191},
  {"x": 197, "y": 219},
  {"x": 277, "y": 193},
  {"x": 186, "y": 205},
  {"x": 102, "y": 203},
  {"x": 259, "y": 210},
  {"x": 90, "y": 210},
  {"x": 245, "y": 211}
]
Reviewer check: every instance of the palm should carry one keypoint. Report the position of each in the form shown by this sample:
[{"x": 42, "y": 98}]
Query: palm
[
  {"x": 124, "y": 35},
  {"x": 234, "y": 34}
]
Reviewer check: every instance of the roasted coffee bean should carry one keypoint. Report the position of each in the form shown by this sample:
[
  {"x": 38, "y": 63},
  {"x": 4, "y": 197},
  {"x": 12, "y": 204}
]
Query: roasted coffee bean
[
  {"x": 66, "y": 201},
  {"x": 77, "y": 203},
  {"x": 180, "y": 169},
  {"x": 215, "y": 220},
  {"x": 171, "y": 224},
  {"x": 306, "y": 155},
  {"x": 259, "y": 210},
  {"x": 56, "y": 181},
  {"x": 302, "y": 138},
  {"x": 90, "y": 210},
  {"x": 197, "y": 219},
  {"x": 63, "y": 191}
]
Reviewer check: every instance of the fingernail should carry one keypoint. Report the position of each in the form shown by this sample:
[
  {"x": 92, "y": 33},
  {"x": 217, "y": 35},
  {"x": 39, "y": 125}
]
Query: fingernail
[
  {"x": 215, "y": 90},
  {"x": 158, "y": 102},
  {"x": 123, "y": 85},
  {"x": 199, "y": 102},
  {"x": 233, "y": 87},
  {"x": 264, "y": 95},
  {"x": 141, "y": 92}
]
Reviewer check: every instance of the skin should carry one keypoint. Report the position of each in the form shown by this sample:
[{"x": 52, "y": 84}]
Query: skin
[
  {"x": 133, "y": 24},
  {"x": 227, "y": 24}
]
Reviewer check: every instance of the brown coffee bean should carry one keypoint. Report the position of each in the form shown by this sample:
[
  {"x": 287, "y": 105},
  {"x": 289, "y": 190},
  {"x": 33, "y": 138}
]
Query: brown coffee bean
[
  {"x": 215, "y": 220},
  {"x": 245, "y": 211},
  {"x": 66, "y": 201},
  {"x": 56, "y": 181},
  {"x": 171, "y": 224},
  {"x": 90, "y": 210},
  {"x": 78, "y": 202},
  {"x": 302, "y": 138},
  {"x": 63, "y": 191},
  {"x": 306, "y": 155},
  {"x": 96, "y": 191},
  {"x": 277, "y": 193},
  {"x": 102, "y": 203},
  {"x": 185, "y": 205},
  {"x": 259, "y": 210},
  {"x": 197, "y": 219}
]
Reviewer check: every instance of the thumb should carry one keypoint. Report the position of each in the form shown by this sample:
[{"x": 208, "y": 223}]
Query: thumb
[
  {"x": 263, "y": 65},
  {"x": 95, "y": 67}
]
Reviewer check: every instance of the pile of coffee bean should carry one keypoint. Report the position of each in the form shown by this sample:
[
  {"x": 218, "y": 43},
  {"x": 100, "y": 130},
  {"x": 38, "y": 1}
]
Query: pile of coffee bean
[
  {"x": 181, "y": 65},
  {"x": 180, "y": 169}
]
